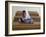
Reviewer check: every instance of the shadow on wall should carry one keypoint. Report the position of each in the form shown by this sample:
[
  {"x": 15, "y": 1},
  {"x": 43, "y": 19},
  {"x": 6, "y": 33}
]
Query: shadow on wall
[{"x": 35, "y": 16}]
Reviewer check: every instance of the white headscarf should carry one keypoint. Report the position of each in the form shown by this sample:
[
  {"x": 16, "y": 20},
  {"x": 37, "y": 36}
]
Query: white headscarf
[{"x": 27, "y": 15}]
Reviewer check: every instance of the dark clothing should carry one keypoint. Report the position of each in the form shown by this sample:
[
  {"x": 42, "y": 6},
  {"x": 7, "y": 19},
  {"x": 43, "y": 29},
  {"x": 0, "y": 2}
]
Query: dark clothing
[{"x": 29, "y": 20}]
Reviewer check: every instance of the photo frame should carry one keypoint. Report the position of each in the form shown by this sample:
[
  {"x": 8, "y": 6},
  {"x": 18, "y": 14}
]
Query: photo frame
[{"x": 36, "y": 11}]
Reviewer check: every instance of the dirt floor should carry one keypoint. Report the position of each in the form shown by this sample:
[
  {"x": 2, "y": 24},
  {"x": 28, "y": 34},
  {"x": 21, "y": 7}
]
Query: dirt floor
[{"x": 24, "y": 26}]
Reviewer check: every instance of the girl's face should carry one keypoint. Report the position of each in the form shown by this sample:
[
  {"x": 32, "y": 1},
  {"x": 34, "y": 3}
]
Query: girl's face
[{"x": 24, "y": 14}]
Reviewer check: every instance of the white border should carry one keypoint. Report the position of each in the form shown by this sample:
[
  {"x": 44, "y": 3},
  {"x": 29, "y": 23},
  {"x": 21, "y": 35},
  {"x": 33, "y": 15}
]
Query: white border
[{"x": 23, "y": 31}]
